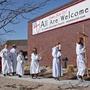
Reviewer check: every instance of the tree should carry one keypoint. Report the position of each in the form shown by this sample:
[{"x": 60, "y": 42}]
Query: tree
[{"x": 10, "y": 10}]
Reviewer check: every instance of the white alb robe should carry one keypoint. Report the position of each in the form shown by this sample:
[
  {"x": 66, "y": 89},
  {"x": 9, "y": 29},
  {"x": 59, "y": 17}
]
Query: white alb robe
[
  {"x": 80, "y": 52},
  {"x": 34, "y": 67},
  {"x": 6, "y": 62},
  {"x": 13, "y": 52},
  {"x": 20, "y": 65},
  {"x": 56, "y": 69}
]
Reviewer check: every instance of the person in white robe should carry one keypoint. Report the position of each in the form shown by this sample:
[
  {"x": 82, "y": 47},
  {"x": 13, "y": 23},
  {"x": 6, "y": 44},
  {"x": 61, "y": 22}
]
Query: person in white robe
[
  {"x": 20, "y": 64},
  {"x": 34, "y": 67},
  {"x": 13, "y": 52},
  {"x": 56, "y": 69},
  {"x": 6, "y": 62},
  {"x": 59, "y": 51},
  {"x": 80, "y": 52}
]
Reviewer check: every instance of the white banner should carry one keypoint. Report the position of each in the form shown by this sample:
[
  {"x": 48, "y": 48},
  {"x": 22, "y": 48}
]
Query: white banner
[{"x": 75, "y": 13}]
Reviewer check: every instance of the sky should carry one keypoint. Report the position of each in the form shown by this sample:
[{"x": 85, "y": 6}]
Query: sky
[{"x": 21, "y": 28}]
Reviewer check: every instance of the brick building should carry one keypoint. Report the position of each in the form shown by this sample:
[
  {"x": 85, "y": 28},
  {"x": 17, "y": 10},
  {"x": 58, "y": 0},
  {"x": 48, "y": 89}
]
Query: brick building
[{"x": 60, "y": 25}]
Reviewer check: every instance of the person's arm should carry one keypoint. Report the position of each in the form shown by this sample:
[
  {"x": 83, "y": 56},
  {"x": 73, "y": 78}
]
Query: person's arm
[
  {"x": 59, "y": 54},
  {"x": 4, "y": 54},
  {"x": 19, "y": 59},
  {"x": 1, "y": 54},
  {"x": 54, "y": 52},
  {"x": 79, "y": 50},
  {"x": 23, "y": 59},
  {"x": 83, "y": 50}
]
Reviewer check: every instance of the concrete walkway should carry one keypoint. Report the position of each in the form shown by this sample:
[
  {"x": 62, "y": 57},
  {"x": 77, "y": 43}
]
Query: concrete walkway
[{"x": 62, "y": 83}]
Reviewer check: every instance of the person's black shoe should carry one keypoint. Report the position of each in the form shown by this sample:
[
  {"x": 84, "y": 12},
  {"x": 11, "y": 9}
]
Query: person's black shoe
[
  {"x": 14, "y": 73},
  {"x": 57, "y": 79},
  {"x": 19, "y": 76},
  {"x": 4, "y": 75},
  {"x": 80, "y": 78},
  {"x": 9, "y": 74}
]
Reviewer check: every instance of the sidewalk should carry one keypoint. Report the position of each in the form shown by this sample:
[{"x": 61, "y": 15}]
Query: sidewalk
[{"x": 65, "y": 84}]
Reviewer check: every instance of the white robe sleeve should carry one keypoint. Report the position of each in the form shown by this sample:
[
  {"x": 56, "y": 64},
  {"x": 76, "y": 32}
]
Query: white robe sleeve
[
  {"x": 83, "y": 50},
  {"x": 59, "y": 54},
  {"x": 54, "y": 52},
  {"x": 79, "y": 49},
  {"x": 1, "y": 54},
  {"x": 19, "y": 59},
  {"x": 4, "y": 54}
]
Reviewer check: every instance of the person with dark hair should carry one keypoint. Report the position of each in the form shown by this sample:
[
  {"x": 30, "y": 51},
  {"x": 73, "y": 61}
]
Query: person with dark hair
[
  {"x": 20, "y": 64},
  {"x": 13, "y": 52},
  {"x": 6, "y": 63},
  {"x": 56, "y": 67},
  {"x": 80, "y": 52},
  {"x": 34, "y": 67}
]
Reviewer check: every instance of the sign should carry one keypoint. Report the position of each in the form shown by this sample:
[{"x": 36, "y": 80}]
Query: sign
[{"x": 75, "y": 13}]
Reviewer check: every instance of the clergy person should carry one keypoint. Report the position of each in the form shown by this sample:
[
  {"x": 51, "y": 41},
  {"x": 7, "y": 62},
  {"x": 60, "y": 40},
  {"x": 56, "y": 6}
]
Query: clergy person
[
  {"x": 6, "y": 62},
  {"x": 13, "y": 52},
  {"x": 34, "y": 67},
  {"x": 20, "y": 64},
  {"x": 56, "y": 68},
  {"x": 80, "y": 52}
]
